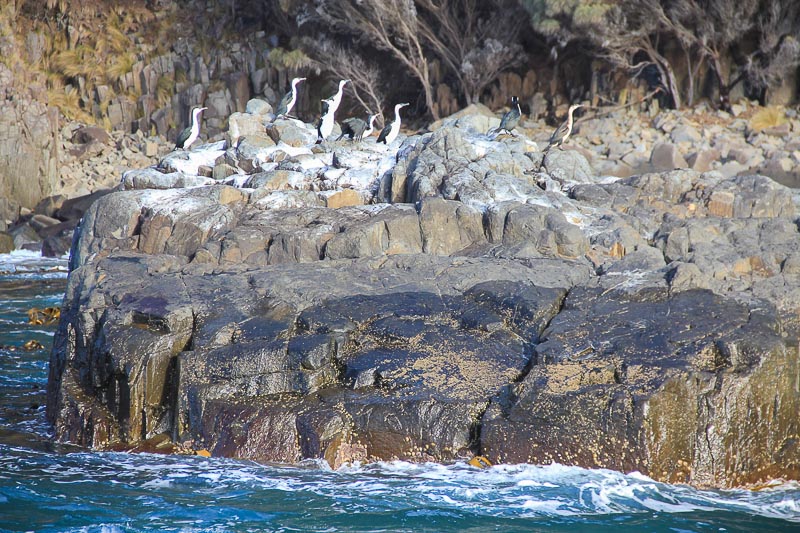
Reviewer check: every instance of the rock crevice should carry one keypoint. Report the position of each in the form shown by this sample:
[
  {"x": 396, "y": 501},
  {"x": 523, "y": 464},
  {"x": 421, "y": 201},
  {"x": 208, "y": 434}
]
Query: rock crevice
[{"x": 644, "y": 324}]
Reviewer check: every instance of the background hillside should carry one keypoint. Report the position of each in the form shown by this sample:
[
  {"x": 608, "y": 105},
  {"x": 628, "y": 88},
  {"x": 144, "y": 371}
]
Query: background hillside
[{"x": 141, "y": 65}]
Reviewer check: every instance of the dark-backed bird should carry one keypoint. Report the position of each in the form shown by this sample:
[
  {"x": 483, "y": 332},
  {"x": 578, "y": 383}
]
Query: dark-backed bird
[
  {"x": 356, "y": 129},
  {"x": 563, "y": 132},
  {"x": 391, "y": 130},
  {"x": 326, "y": 122},
  {"x": 190, "y": 134},
  {"x": 289, "y": 99},
  {"x": 511, "y": 117}
]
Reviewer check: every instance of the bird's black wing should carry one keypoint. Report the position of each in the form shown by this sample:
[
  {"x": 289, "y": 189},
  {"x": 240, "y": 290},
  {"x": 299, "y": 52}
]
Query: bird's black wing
[
  {"x": 384, "y": 132},
  {"x": 509, "y": 120},
  {"x": 559, "y": 133},
  {"x": 182, "y": 137},
  {"x": 347, "y": 128},
  {"x": 284, "y": 104}
]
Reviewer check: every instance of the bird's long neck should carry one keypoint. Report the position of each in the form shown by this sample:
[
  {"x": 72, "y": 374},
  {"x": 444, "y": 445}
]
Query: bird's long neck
[
  {"x": 337, "y": 98},
  {"x": 569, "y": 118},
  {"x": 396, "y": 116},
  {"x": 369, "y": 127},
  {"x": 196, "y": 122}
]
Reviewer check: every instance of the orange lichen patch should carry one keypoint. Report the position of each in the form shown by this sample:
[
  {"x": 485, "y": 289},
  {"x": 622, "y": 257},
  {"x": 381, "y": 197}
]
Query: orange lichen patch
[
  {"x": 617, "y": 250},
  {"x": 721, "y": 204},
  {"x": 32, "y": 345},
  {"x": 203, "y": 453},
  {"x": 752, "y": 265},
  {"x": 480, "y": 462}
]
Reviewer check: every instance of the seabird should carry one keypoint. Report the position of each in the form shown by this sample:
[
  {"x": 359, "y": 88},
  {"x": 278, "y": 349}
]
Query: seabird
[
  {"x": 288, "y": 100},
  {"x": 511, "y": 117},
  {"x": 390, "y": 131},
  {"x": 326, "y": 122},
  {"x": 356, "y": 129},
  {"x": 190, "y": 134},
  {"x": 336, "y": 99},
  {"x": 563, "y": 132}
]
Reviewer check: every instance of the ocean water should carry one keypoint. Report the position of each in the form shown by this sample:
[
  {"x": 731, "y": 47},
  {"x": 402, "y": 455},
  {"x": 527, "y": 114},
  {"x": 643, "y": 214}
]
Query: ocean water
[{"x": 58, "y": 488}]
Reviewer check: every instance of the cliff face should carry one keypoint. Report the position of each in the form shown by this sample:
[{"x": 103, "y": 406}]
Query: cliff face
[
  {"x": 449, "y": 295},
  {"x": 29, "y": 139},
  {"x": 127, "y": 66}
]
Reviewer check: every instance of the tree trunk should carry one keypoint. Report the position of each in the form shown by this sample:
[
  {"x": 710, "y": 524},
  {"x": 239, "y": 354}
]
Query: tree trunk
[
  {"x": 426, "y": 86},
  {"x": 667, "y": 74}
]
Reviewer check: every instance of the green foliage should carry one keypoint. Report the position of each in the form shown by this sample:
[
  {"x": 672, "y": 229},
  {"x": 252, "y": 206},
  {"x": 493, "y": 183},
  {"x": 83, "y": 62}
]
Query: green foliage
[
  {"x": 286, "y": 59},
  {"x": 566, "y": 17}
]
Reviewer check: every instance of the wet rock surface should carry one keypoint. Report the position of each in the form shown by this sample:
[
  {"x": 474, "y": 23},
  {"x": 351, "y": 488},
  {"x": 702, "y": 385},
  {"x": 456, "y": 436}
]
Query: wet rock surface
[{"x": 447, "y": 295}]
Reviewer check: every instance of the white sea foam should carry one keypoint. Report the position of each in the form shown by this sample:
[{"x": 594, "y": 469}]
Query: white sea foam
[
  {"x": 27, "y": 261},
  {"x": 523, "y": 491}
]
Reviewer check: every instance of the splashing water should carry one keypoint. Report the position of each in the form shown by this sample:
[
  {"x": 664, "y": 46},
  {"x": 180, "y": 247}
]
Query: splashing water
[{"x": 47, "y": 487}]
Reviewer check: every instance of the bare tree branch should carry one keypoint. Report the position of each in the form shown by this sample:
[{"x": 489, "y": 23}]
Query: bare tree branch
[
  {"x": 345, "y": 63},
  {"x": 387, "y": 25}
]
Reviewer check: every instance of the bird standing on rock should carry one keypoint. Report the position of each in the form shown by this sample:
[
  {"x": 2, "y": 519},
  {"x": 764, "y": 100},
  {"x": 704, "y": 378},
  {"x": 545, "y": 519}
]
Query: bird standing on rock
[
  {"x": 356, "y": 129},
  {"x": 326, "y": 122},
  {"x": 563, "y": 132},
  {"x": 329, "y": 107},
  {"x": 190, "y": 134},
  {"x": 512, "y": 116},
  {"x": 288, "y": 100},
  {"x": 390, "y": 131}
]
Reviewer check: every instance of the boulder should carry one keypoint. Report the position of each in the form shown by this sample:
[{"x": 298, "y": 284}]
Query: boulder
[
  {"x": 6, "y": 242},
  {"x": 257, "y": 106},
  {"x": 568, "y": 166},
  {"x": 292, "y": 133},
  {"x": 701, "y": 160},
  {"x": 89, "y": 134},
  {"x": 665, "y": 156},
  {"x": 150, "y": 178},
  {"x": 244, "y": 124}
]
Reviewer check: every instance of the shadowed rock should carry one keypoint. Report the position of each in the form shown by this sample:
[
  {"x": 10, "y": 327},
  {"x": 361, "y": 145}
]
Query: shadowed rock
[{"x": 644, "y": 324}]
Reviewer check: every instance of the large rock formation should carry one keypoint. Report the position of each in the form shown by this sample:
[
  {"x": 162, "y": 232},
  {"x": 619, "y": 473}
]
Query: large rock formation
[
  {"x": 28, "y": 150},
  {"x": 434, "y": 299}
]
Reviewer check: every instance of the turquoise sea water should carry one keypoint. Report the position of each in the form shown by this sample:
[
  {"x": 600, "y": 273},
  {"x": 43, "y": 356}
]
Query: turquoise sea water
[{"x": 55, "y": 488}]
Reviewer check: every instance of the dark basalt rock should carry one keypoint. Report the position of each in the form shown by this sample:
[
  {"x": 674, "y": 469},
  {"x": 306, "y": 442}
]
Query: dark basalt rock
[
  {"x": 647, "y": 324},
  {"x": 674, "y": 387}
]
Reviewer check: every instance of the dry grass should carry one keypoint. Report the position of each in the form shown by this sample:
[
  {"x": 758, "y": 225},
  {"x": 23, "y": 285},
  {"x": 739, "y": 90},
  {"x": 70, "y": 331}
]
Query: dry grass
[
  {"x": 165, "y": 88},
  {"x": 67, "y": 100},
  {"x": 767, "y": 117}
]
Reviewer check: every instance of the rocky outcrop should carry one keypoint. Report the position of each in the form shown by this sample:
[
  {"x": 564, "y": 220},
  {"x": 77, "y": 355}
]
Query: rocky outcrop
[
  {"x": 448, "y": 295},
  {"x": 28, "y": 150}
]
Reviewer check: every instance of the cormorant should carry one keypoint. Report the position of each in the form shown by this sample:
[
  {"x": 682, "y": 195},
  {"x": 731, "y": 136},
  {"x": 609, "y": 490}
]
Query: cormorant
[
  {"x": 512, "y": 116},
  {"x": 288, "y": 100},
  {"x": 190, "y": 134},
  {"x": 336, "y": 99},
  {"x": 391, "y": 130},
  {"x": 326, "y": 122},
  {"x": 563, "y": 132},
  {"x": 356, "y": 129}
]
